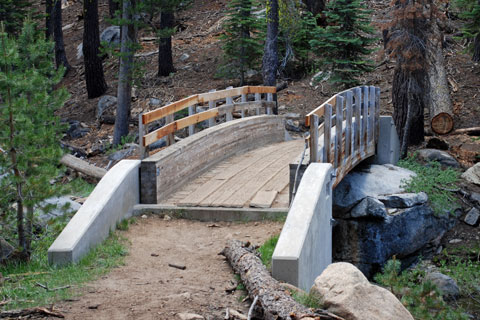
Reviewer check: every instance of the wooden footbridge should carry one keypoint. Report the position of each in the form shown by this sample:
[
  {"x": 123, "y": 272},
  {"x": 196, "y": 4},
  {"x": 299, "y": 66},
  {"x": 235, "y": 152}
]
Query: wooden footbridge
[{"x": 236, "y": 154}]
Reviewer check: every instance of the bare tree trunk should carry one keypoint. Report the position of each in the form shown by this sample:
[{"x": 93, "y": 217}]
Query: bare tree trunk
[
  {"x": 60, "y": 54},
  {"x": 245, "y": 34},
  {"x": 94, "y": 77},
  {"x": 440, "y": 103},
  {"x": 124, "y": 90},
  {"x": 476, "y": 48},
  {"x": 48, "y": 19},
  {"x": 270, "y": 56},
  {"x": 165, "y": 59}
]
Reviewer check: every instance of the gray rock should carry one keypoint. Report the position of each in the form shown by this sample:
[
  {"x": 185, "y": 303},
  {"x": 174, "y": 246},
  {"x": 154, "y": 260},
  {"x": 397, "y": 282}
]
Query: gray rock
[
  {"x": 442, "y": 157},
  {"x": 472, "y": 217},
  {"x": 155, "y": 102},
  {"x": 291, "y": 115},
  {"x": 111, "y": 35},
  {"x": 292, "y": 126},
  {"x": 184, "y": 57},
  {"x": 404, "y": 200},
  {"x": 105, "y": 103},
  {"x": 369, "y": 244},
  {"x": 473, "y": 174},
  {"x": 368, "y": 181},
  {"x": 6, "y": 250},
  {"x": 158, "y": 144},
  {"x": 369, "y": 208},
  {"x": 447, "y": 286},
  {"x": 121, "y": 154},
  {"x": 76, "y": 130},
  {"x": 474, "y": 196},
  {"x": 57, "y": 207}
]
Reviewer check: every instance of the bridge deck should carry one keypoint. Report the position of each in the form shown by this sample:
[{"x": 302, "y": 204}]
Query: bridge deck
[{"x": 258, "y": 178}]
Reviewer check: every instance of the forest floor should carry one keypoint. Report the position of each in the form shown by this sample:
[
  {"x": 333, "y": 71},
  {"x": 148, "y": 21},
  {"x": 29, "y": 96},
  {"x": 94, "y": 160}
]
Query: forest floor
[{"x": 146, "y": 288}]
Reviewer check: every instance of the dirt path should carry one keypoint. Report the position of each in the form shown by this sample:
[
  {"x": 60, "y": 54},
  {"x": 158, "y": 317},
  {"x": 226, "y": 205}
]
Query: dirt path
[{"x": 147, "y": 288}]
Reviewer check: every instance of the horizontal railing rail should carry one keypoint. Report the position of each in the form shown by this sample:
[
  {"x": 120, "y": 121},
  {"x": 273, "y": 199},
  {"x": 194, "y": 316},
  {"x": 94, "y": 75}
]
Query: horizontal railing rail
[
  {"x": 227, "y": 107},
  {"x": 349, "y": 132}
]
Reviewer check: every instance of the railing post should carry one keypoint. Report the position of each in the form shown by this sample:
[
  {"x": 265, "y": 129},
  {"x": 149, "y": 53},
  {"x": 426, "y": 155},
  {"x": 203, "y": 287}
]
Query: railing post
[
  {"x": 371, "y": 112},
  {"x": 348, "y": 128},
  {"x": 339, "y": 132},
  {"x": 269, "y": 99},
  {"x": 191, "y": 111},
  {"x": 358, "y": 118},
  {"x": 327, "y": 134},
  {"x": 377, "y": 114},
  {"x": 244, "y": 99},
  {"x": 314, "y": 138},
  {"x": 211, "y": 105},
  {"x": 229, "y": 100},
  {"x": 365, "y": 125},
  {"x": 258, "y": 98},
  {"x": 171, "y": 136},
  {"x": 141, "y": 133}
]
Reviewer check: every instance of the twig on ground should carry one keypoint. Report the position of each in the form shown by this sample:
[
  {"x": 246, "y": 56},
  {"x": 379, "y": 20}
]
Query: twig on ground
[
  {"x": 177, "y": 266},
  {"x": 51, "y": 289},
  {"x": 250, "y": 311}
]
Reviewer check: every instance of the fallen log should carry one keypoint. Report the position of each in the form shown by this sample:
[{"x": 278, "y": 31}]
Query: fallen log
[
  {"x": 275, "y": 302},
  {"x": 474, "y": 131},
  {"x": 31, "y": 312},
  {"x": 83, "y": 166}
]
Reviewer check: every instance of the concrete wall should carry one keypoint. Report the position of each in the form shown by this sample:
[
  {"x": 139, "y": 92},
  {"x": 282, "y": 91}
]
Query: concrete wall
[
  {"x": 304, "y": 248},
  {"x": 111, "y": 201},
  {"x": 165, "y": 171},
  {"x": 388, "y": 147}
]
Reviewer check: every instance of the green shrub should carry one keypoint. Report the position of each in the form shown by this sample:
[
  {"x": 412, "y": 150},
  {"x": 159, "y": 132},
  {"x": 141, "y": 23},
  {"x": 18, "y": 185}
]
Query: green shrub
[{"x": 266, "y": 251}]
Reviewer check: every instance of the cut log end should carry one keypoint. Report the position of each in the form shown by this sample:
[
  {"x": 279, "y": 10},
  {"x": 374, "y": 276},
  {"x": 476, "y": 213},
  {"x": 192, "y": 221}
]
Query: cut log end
[{"x": 442, "y": 123}]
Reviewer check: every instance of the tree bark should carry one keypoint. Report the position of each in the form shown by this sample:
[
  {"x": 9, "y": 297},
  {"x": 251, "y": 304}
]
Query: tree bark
[
  {"x": 270, "y": 56},
  {"x": 245, "y": 34},
  {"x": 124, "y": 90},
  {"x": 165, "y": 59},
  {"x": 274, "y": 301},
  {"x": 440, "y": 103},
  {"x": 476, "y": 48},
  {"x": 94, "y": 77},
  {"x": 60, "y": 54},
  {"x": 49, "y": 18}
]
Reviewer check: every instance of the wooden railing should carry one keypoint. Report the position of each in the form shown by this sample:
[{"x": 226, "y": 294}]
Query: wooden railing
[
  {"x": 349, "y": 132},
  {"x": 213, "y": 98}
]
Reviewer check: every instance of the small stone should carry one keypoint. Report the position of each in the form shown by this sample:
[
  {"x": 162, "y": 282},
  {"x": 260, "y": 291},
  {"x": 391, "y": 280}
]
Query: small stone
[
  {"x": 473, "y": 174},
  {"x": 404, "y": 200},
  {"x": 184, "y": 57},
  {"x": 453, "y": 241},
  {"x": 292, "y": 125},
  {"x": 189, "y": 316},
  {"x": 447, "y": 286},
  {"x": 475, "y": 197},
  {"x": 282, "y": 107},
  {"x": 104, "y": 103},
  {"x": 155, "y": 102},
  {"x": 472, "y": 217},
  {"x": 144, "y": 216},
  {"x": 167, "y": 217},
  {"x": 369, "y": 207}
]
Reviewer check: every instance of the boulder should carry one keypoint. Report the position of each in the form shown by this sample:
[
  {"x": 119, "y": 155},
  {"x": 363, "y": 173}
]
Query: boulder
[
  {"x": 404, "y": 200},
  {"x": 473, "y": 174},
  {"x": 368, "y": 181},
  {"x": 111, "y": 35},
  {"x": 105, "y": 103},
  {"x": 6, "y": 250},
  {"x": 57, "y": 207},
  {"x": 472, "y": 217},
  {"x": 345, "y": 291},
  {"x": 293, "y": 125},
  {"x": 446, "y": 285},
  {"x": 442, "y": 157},
  {"x": 184, "y": 57},
  {"x": 369, "y": 208},
  {"x": 370, "y": 243}
]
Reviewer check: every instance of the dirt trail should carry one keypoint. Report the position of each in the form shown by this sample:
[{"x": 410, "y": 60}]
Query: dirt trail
[{"x": 147, "y": 288}]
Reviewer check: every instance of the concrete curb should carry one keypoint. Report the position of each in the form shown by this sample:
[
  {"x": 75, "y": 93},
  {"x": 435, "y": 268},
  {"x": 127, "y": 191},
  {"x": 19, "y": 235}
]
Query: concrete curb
[
  {"x": 304, "y": 248},
  {"x": 211, "y": 214},
  {"x": 111, "y": 201}
]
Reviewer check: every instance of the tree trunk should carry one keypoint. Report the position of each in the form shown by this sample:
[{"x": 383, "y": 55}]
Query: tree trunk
[
  {"x": 113, "y": 6},
  {"x": 165, "y": 59},
  {"x": 316, "y": 7},
  {"x": 48, "y": 19},
  {"x": 440, "y": 103},
  {"x": 270, "y": 56},
  {"x": 245, "y": 34},
  {"x": 476, "y": 48},
  {"x": 29, "y": 230},
  {"x": 124, "y": 90},
  {"x": 60, "y": 54},
  {"x": 96, "y": 85},
  {"x": 408, "y": 89},
  {"x": 274, "y": 301}
]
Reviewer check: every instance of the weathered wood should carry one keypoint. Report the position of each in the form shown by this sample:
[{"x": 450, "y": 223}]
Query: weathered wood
[
  {"x": 377, "y": 114},
  {"x": 258, "y": 97},
  {"x": 263, "y": 199},
  {"x": 212, "y": 104},
  {"x": 83, "y": 166},
  {"x": 169, "y": 109},
  {"x": 314, "y": 139},
  {"x": 229, "y": 101},
  {"x": 327, "y": 157},
  {"x": 141, "y": 133},
  {"x": 244, "y": 100},
  {"x": 348, "y": 126},
  {"x": 191, "y": 111},
  {"x": 371, "y": 114},
  {"x": 269, "y": 99},
  {"x": 339, "y": 132},
  {"x": 272, "y": 297},
  {"x": 358, "y": 117},
  {"x": 170, "y": 137},
  {"x": 364, "y": 138}
]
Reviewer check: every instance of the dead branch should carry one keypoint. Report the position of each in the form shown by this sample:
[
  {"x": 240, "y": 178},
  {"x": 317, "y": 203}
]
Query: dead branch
[{"x": 31, "y": 312}]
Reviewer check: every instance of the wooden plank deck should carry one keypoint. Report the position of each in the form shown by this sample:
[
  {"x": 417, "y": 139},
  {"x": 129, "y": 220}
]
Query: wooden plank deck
[{"x": 261, "y": 175}]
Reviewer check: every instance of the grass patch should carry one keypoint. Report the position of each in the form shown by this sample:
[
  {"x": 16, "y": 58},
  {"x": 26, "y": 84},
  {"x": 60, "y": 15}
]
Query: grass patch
[
  {"x": 266, "y": 251},
  {"x": 421, "y": 298},
  {"x": 307, "y": 299},
  {"x": 436, "y": 182},
  {"x": 21, "y": 288}
]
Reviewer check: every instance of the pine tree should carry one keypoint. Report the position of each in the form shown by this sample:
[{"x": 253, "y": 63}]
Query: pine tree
[
  {"x": 470, "y": 12},
  {"x": 343, "y": 44},
  {"x": 29, "y": 129},
  {"x": 242, "y": 46},
  {"x": 12, "y": 14}
]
